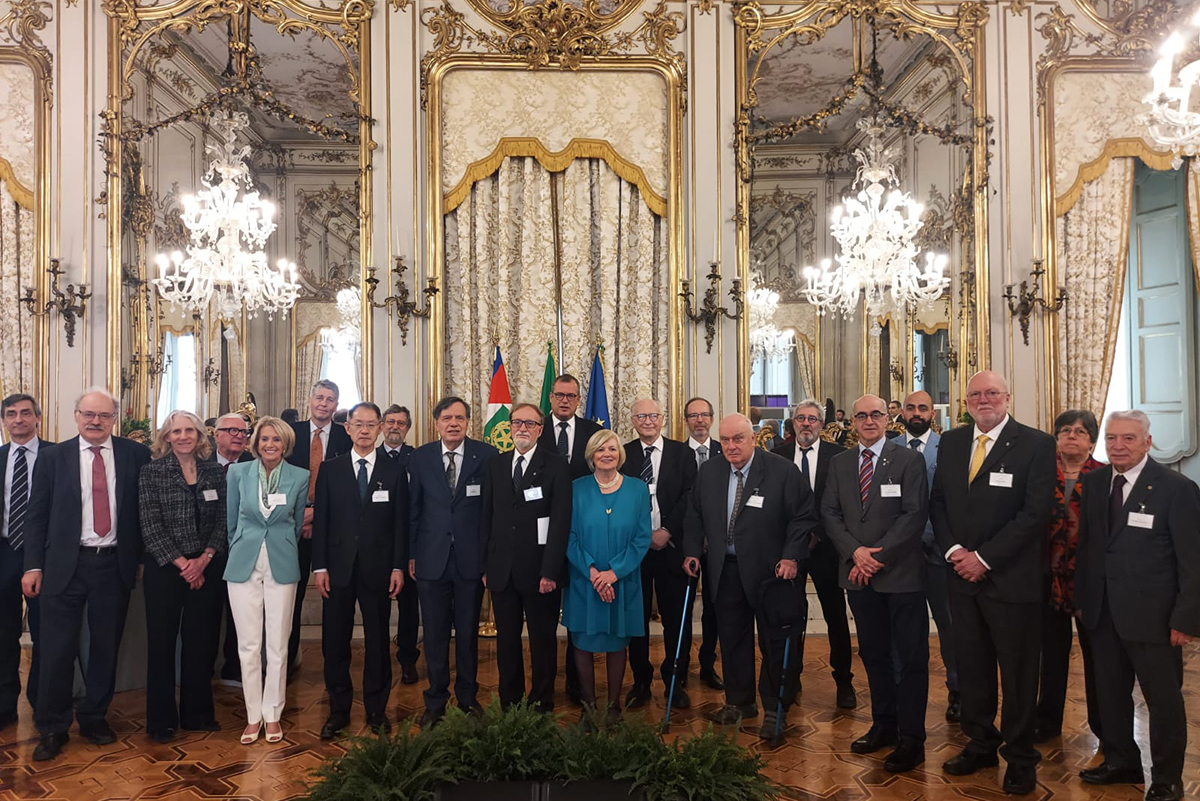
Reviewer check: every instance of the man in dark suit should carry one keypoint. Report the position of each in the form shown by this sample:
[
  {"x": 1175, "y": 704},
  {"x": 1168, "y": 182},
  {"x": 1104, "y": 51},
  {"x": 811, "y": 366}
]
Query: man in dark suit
[
  {"x": 698, "y": 416},
  {"x": 992, "y": 496},
  {"x": 669, "y": 468},
  {"x": 360, "y": 550},
  {"x": 445, "y": 512},
  {"x": 318, "y": 439},
  {"x": 397, "y": 421},
  {"x": 1137, "y": 586},
  {"x": 526, "y": 525},
  {"x": 753, "y": 514},
  {"x": 83, "y": 540},
  {"x": 812, "y": 457},
  {"x": 230, "y": 435},
  {"x": 874, "y": 509},
  {"x": 22, "y": 418}
]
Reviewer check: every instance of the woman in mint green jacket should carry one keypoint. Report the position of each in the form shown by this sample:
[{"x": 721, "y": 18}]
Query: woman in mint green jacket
[{"x": 265, "y": 512}]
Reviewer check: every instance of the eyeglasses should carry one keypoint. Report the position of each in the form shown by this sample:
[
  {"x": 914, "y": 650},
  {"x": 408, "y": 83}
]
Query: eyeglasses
[
  {"x": 698, "y": 416},
  {"x": 1075, "y": 432},
  {"x": 807, "y": 418},
  {"x": 651, "y": 417},
  {"x": 363, "y": 424},
  {"x": 525, "y": 424},
  {"x": 103, "y": 417},
  {"x": 564, "y": 396},
  {"x": 990, "y": 394},
  {"x": 875, "y": 415},
  {"x": 235, "y": 432}
]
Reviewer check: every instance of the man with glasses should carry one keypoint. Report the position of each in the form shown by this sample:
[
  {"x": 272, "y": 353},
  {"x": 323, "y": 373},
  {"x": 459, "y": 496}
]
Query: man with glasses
[
  {"x": 992, "y": 496},
  {"x": 812, "y": 457},
  {"x": 230, "y": 435},
  {"x": 526, "y": 525},
  {"x": 397, "y": 421},
  {"x": 83, "y": 541},
  {"x": 359, "y": 552},
  {"x": 698, "y": 415},
  {"x": 669, "y": 468}
]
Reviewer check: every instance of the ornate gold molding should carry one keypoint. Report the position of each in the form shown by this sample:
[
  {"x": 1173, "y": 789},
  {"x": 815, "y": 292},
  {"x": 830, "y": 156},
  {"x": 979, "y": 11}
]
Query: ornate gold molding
[
  {"x": 20, "y": 193},
  {"x": 21, "y": 27}
]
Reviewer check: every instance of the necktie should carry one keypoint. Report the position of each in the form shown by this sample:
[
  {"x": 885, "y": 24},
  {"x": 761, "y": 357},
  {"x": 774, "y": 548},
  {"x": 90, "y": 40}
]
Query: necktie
[
  {"x": 1116, "y": 501},
  {"x": 393, "y": 455},
  {"x": 362, "y": 480},
  {"x": 915, "y": 444},
  {"x": 737, "y": 504},
  {"x": 227, "y": 467},
  {"x": 101, "y": 517},
  {"x": 562, "y": 440},
  {"x": 316, "y": 454},
  {"x": 804, "y": 471},
  {"x": 451, "y": 473},
  {"x": 518, "y": 472},
  {"x": 648, "y": 466},
  {"x": 18, "y": 500},
  {"x": 865, "y": 473},
  {"x": 978, "y": 457},
  {"x": 702, "y": 454}
]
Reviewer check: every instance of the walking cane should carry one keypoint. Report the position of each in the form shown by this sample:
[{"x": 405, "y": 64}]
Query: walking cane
[
  {"x": 787, "y": 647},
  {"x": 687, "y": 597}
]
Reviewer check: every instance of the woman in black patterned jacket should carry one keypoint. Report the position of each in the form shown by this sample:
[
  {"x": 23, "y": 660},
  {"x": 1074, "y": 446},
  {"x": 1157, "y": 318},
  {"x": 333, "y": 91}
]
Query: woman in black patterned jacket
[{"x": 181, "y": 499}]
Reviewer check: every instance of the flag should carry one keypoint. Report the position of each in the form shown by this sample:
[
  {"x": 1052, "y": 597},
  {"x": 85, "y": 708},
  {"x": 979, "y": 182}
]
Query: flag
[
  {"x": 597, "y": 396},
  {"x": 496, "y": 431},
  {"x": 548, "y": 379}
]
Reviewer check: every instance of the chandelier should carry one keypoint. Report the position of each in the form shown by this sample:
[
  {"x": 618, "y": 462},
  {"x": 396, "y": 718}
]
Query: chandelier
[
  {"x": 875, "y": 230},
  {"x": 1170, "y": 120},
  {"x": 766, "y": 341},
  {"x": 228, "y": 225}
]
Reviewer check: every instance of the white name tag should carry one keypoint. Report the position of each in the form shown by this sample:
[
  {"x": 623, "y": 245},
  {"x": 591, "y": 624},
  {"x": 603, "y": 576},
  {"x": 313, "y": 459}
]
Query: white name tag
[
  {"x": 1139, "y": 520},
  {"x": 210, "y": 495},
  {"x": 543, "y": 530},
  {"x": 1000, "y": 479},
  {"x": 380, "y": 496},
  {"x": 533, "y": 494},
  {"x": 889, "y": 490},
  {"x": 472, "y": 490},
  {"x": 276, "y": 499},
  {"x": 755, "y": 501}
]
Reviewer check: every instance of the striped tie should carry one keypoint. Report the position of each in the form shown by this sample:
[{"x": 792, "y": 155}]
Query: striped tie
[
  {"x": 737, "y": 505},
  {"x": 18, "y": 501},
  {"x": 865, "y": 473},
  {"x": 648, "y": 466}
]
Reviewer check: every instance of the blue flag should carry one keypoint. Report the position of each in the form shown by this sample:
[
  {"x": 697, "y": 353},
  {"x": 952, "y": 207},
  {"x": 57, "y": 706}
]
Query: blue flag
[{"x": 597, "y": 397}]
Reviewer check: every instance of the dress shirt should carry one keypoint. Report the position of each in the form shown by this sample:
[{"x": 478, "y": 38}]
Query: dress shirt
[
  {"x": 696, "y": 446},
  {"x": 31, "y": 452},
  {"x": 390, "y": 451},
  {"x": 1131, "y": 477},
  {"x": 354, "y": 457},
  {"x": 88, "y": 537},
  {"x": 528, "y": 457},
  {"x": 812, "y": 462},
  {"x": 729, "y": 496},
  {"x": 987, "y": 450},
  {"x": 459, "y": 453},
  {"x": 924, "y": 438},
  {"x": 570, "y": 433},
  {"x": 656, "y": 460},
  {"x": 876, "y": 448}
]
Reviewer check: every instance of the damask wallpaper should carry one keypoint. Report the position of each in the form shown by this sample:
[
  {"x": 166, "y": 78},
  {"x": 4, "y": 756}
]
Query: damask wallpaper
[{"x": 17, "y": 243}]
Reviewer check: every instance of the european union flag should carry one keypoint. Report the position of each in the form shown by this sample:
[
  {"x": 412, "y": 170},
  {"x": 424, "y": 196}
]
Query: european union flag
[{"x": 597, "y": 396}]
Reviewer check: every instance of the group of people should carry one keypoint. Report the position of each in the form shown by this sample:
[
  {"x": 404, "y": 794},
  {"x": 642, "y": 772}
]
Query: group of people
[{"x": 1011, "y": 537}]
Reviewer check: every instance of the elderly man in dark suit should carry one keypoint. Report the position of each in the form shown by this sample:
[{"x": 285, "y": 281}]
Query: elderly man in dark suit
[
  {"x": 812, "y": 458},
  {"x": 230, "y": 436},
  {"x": 874, "y": 510},
  {"x": 1137, "y": 585},
  {"x": 397, "y": 422},
  {"x": 445, "y": 514},
  {"x": 83, "y": 540},
  {"x": 698, "y": 416},
  {"x": 750, "y": 518},
  {"x": 992, "y": 497}
]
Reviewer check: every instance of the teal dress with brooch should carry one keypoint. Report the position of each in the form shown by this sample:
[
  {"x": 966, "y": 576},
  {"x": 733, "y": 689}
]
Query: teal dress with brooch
[{"x": 610, "y": 532}]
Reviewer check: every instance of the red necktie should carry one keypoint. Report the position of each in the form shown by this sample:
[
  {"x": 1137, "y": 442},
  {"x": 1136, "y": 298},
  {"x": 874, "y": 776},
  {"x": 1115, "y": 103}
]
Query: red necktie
[
  {"x": 865, "y": 473},
  {"x": 101, "y": 516}
]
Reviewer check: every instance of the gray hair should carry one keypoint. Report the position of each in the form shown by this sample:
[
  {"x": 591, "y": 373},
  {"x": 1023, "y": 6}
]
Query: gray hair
[
  {"x": 810, "y": 403},
  {"x": 116, "y": 404},
  {"x": 1136, "y": 415},
  {"x": 325, "y": 383}
]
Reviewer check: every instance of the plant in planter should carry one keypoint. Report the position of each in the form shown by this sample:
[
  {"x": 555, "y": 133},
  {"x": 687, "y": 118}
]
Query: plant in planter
[
  {"x": 518, "y": 747},
  {"x": 710, "y": 765},
  {"x": 607, "y": 764},
  {"x": 402, "y": 767}
]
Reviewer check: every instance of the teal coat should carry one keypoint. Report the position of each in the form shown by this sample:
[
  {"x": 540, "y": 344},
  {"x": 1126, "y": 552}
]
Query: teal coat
[{"x": 248, "y": 529}]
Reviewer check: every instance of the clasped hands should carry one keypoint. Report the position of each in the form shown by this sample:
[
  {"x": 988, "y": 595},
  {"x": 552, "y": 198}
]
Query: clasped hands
[
  {"x": 865, "y": 565},
  {"x": 192, "y": 570},
  {"x": 966, "y": 564},
  {"x": 602, "y": 582}
]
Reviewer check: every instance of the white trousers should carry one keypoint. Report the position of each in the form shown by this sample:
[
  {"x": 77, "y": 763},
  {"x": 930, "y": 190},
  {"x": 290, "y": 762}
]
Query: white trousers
[{"x": 260, "y": 604}]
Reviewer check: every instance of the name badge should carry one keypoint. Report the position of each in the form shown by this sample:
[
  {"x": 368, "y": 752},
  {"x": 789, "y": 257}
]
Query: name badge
[
  {"x": 276, "y": 499},
  {"x": 755, "y": 501},
  {"x": 889, "y": 490},
  {"x": 533, "y": 494},
  {"x": 1141, "y": 520},
  {"x": 210, "y": 495},
  {"x": 1000, "y": 479},
  {"x": 380, "y": 496},
  {"x": 653, "y": 488},
  {"x": 543, "y": 530},
  {"x": 472, "y": 490}
]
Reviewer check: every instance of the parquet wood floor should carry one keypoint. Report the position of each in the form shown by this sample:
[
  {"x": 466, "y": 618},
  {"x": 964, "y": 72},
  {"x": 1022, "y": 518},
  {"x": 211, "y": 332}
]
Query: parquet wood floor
[{"x": 815, "y": 762}]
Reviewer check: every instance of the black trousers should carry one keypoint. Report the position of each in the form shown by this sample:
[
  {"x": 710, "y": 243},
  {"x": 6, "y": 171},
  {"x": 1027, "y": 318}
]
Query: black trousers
[
  {"x": 231, "y": 663},
  {"x": 708, "y": 622},
  {"x": 822, "y": 568},
  {"x": 96, "y": 586},
  {"x": 990, "y": 634},
  {"x": 12, "y": 604},
  {"x": 516, "y": 609},
  {"x": 893, "y": 644},
  {"x": 670, "y": 586},
  {"x": 337, "y": 631},
  {"x": 937, "y": 593},
  {"x": 1158, "y": 668},
  {"x": 408, "y": 622},
  {"x": 191, "y": 620},
  {"x": 304, "y": 548},
  {"x": 452, "y": 599},
  {"x": 736, "y": 620},
  {"x": 1056, "y": 663}
]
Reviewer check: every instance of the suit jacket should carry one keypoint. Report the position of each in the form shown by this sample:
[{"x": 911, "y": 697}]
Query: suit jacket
[
  {"x": 280, "y": 530},
  {"x": 406, "y": 452},
  {"x": 714, "y": 448},
  {"x": 672, "y": 487},
  {"x": 932, "y": 556},
  {"x": 584, "y": 429},
  {"x": 510, "y": 548},
  {"x": 762, "y": 535},
  {"x": 437, "y": 518},
  {"x": 177, "y": 519},
  {"x": 825, "y": 453},
  {"x": 55, "y": 518},
  {"x": 1151, "y": 576},
  {"x": 1004, "y": 524},
  {"x": 339, "y": 443},
  {"x": 4, "y": 450},
  {"x": 344, "y": 528},
  {"x": 893, "y": 524}
]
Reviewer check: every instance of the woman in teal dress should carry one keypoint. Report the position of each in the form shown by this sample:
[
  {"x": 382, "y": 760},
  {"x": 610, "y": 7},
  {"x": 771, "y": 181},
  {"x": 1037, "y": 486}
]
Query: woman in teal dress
[{"x": 610, "y": 535}]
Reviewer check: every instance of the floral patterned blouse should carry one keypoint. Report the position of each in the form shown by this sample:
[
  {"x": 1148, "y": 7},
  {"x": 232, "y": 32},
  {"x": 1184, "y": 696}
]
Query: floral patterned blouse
[{"x": 1062, "y": 538}]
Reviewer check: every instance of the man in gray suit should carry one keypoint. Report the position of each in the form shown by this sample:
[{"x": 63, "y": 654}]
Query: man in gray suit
[{"x": 874, "y": 510}]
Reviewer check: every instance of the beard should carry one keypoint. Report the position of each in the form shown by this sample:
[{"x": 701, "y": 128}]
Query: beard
[{"x": 916, "y": 426}]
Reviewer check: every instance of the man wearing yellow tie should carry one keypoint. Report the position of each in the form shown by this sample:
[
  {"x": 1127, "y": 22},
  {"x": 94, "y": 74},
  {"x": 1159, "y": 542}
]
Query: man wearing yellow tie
[{"x": 992, "y": 496}]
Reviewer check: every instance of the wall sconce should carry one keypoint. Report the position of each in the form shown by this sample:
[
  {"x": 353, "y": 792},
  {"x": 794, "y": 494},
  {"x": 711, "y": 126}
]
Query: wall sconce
[
  {"x": 404, "y": 308},
  {"x": 896, "y": 370},
  {"x": 70, "y": 304},
  {"x": 1025, "y": 302},
  {"x": 709, "y": 311},
  {"x": 154, "y": 366},
  {"x": 211, "y": 375},
  {"x": 948, "y": 356}
]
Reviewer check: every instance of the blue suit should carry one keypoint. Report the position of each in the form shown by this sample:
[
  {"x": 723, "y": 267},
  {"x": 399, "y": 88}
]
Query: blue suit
[
  {"x": 937, "y": 575},
  {"x": 280, "y": 530}
]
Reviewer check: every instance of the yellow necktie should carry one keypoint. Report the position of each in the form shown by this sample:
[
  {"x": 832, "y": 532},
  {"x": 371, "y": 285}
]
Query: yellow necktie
[{"x": 977, "y": 459}]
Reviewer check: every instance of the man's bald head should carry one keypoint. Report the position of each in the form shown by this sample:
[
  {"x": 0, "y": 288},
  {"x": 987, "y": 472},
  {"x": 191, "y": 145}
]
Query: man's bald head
[
  {"x": 870, "y": 419},
  {"x": 987, "y": 399},
  {"x": 737, "y": 439}
]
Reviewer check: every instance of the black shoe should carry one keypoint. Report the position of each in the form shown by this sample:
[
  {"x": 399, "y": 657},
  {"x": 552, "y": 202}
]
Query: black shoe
[
  {"x": 472, "y": 709},
  {"x": 408, "y": 674},
  {"x": 573, "y": 694},
  {"x": 1158, "y": 791},
  {"x": 334, "y": 725},
  {"x": 163, "y": 736},
  {"x": 431, "y": 718},
  {"x": 767, "y": 730},
  {"x": 968, "y": 762},
  {"x": 728, "y": 715},
  {"x": 908, "y": 755},
  {"x": 380, "y": 721},
  {"x": 50, "y": 747},
  {"x": 1020, "y": 780},
  {"x": 99, "y": 733},
  {"x": 680, "y": 699},
  {"x": 873, "y": 740},
  {"x": 1108, "y": 773},
  {"x": 208, "y": 725},
  {"x": 712, "y": 680},
  {"x": 953, "y": 707},
  {"x": 1043, "y": 732},
  {"x": 846, "y": 697},
  {"x": 638, "y": 696},
  {"x": 7, "y": 719}
]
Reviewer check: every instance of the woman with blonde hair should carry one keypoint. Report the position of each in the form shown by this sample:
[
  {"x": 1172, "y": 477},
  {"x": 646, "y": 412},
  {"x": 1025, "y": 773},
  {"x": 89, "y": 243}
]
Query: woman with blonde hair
[{"x": 267, "y": 498}]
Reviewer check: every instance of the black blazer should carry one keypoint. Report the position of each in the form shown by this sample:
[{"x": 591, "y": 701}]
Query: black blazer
[
  {"x": 55, "y": 516},
  {"x": 584, "y": 429},
  {"x": 1151, "y": 576},
  {"x": 178, "y": 520},
  {"x": 245, "y": 457},
  {"x": 406, "y": 452},
  {"x": 345, "y": 529},
  {"x": 1005, "y": 525},
  {"x": 339, "y": 443},
  {"x": 825, "y": 453},
  {"x": 436, "y": 518},
  {"x": 673, "y": 487},
  {"x": 508, "y": 538},
  {"x": 4, "y": 450},
  {"x": 762, "y": 535}
]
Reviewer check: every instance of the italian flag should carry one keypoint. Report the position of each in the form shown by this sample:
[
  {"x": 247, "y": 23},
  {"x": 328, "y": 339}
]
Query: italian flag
[{"x": 496, "y": 431}]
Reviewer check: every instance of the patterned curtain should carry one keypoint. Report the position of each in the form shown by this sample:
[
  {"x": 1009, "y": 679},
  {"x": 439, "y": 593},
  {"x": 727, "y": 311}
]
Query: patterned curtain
[
  {"x": 1093, "y": 249},
  {"x": 16, "y": 272},
  {"x": 309, "y": 357}
]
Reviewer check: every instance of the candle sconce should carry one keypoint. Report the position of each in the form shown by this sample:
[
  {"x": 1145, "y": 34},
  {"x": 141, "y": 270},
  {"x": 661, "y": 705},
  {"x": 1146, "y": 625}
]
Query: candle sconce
[
  {"x": 70, "y": 305},
  {"x": 405, "y": 309},
  {"x": 710, "y": 312},
  {"x": 211, "y": 375},
  {"x": 949, "y": 357},
  {"x": 1023, "y": 304},
  {"x": 155, "y": 365},
  {"x": 896, "y": 370}
]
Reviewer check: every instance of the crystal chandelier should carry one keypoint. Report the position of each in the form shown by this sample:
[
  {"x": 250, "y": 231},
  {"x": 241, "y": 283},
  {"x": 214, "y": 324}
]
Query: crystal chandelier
[
  {"x": 1170, "y": 120},
  {"x": 875, "y": 230},
  {"x": 766, "y": 341},
  {"x": 228, "y": 225}
]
